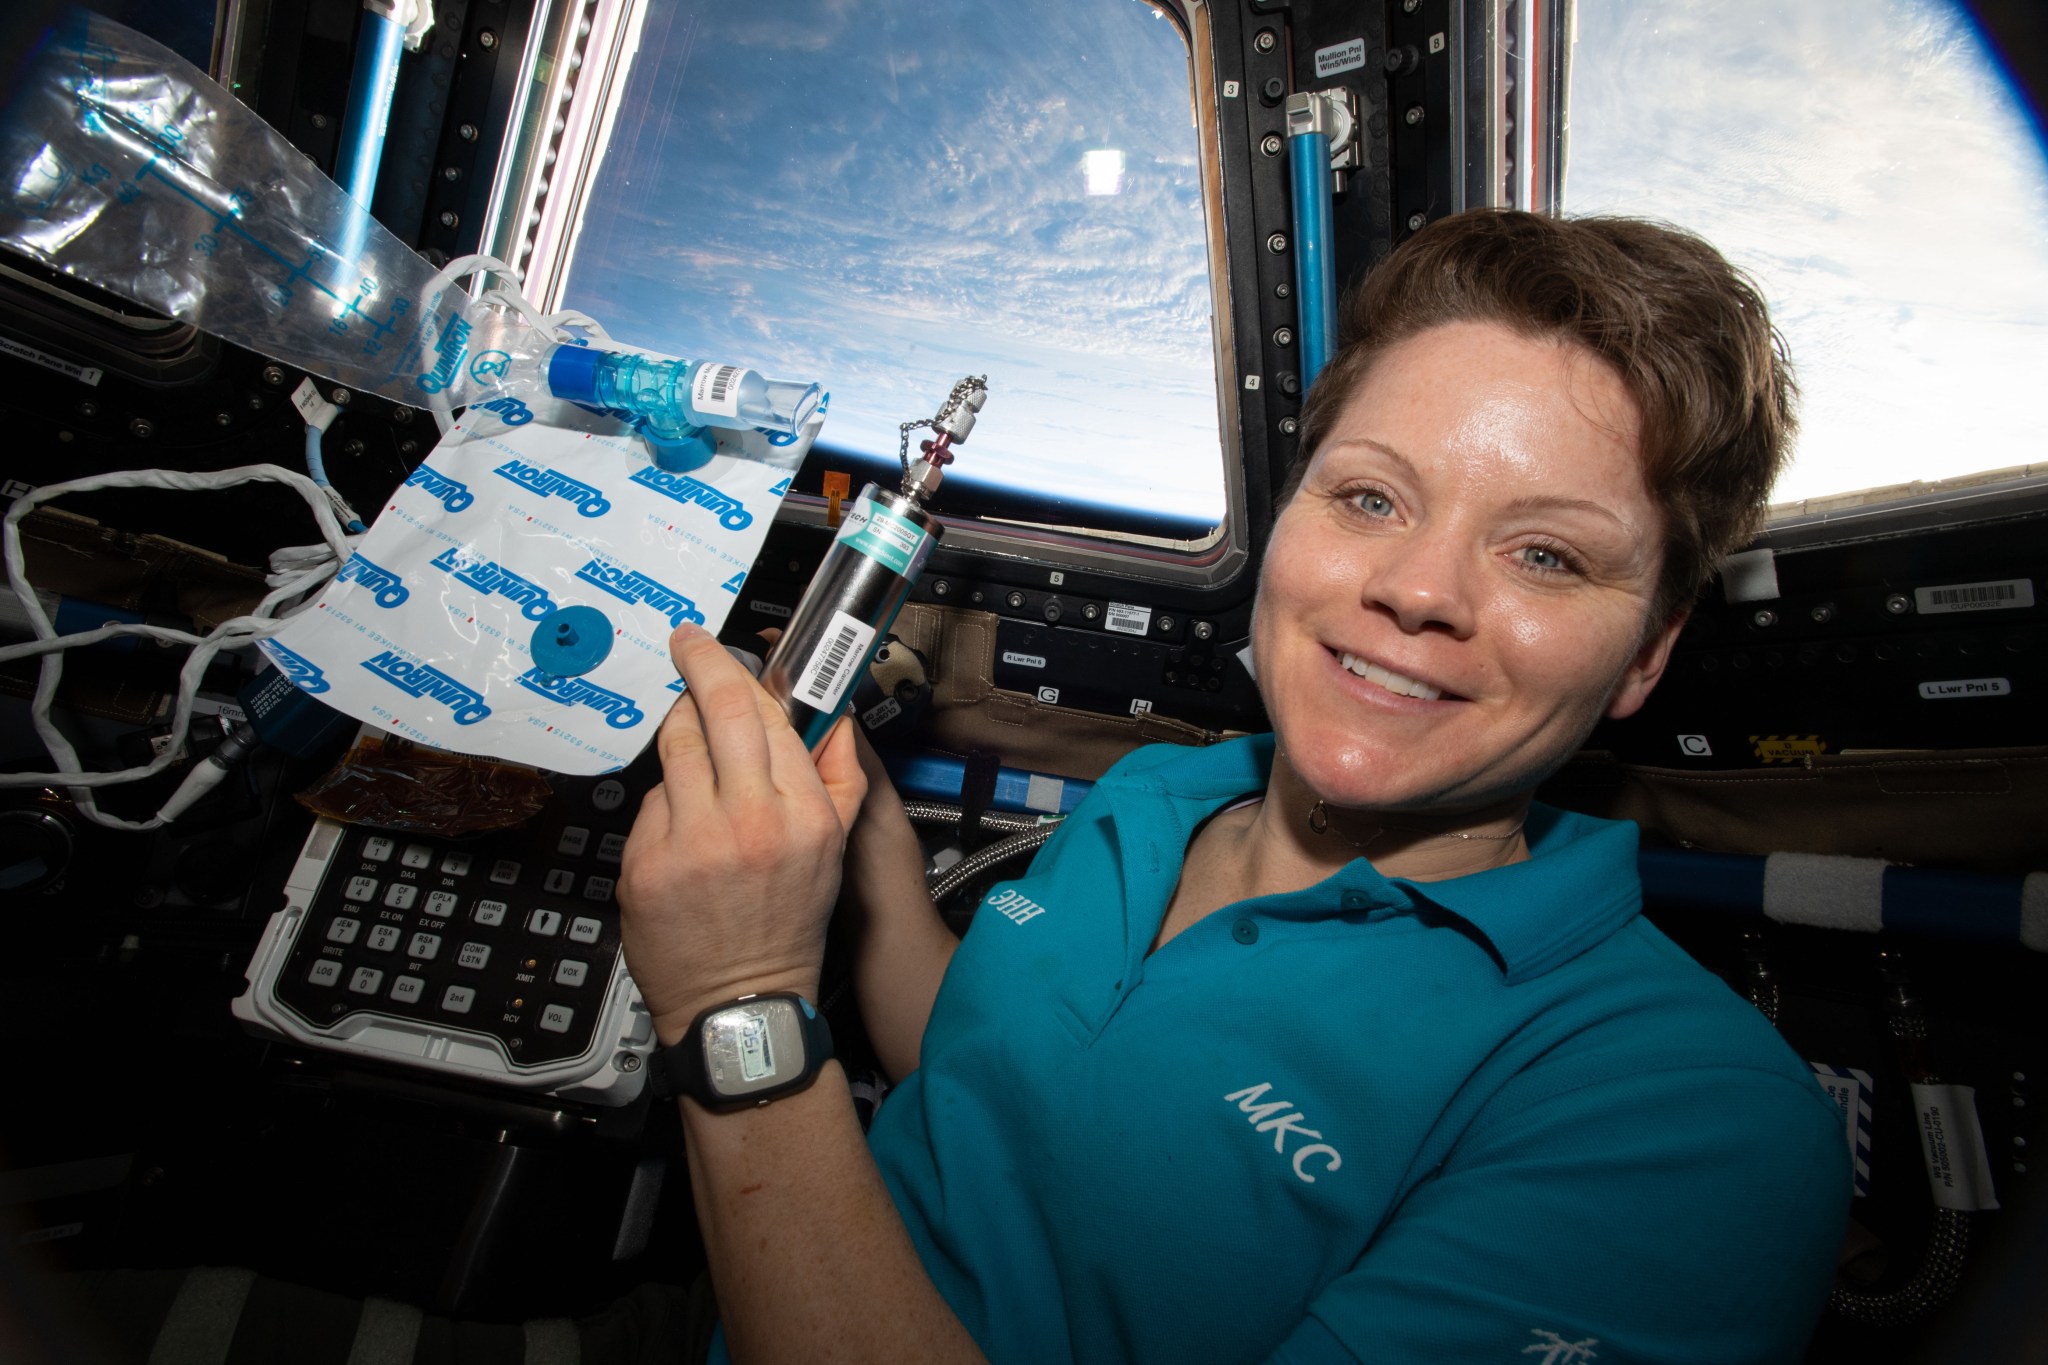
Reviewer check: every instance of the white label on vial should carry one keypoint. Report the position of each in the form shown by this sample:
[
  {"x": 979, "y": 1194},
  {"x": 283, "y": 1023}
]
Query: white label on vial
[
  {"x": 1338, "y": 58},
  {"x": 1958, "y": 1167},
  {"x": 1995, "y": 596},
  {"x": 1126, "y": 619},
  {"x": 1966, "y": 687},
  {"x": 831, "y": 667},
  {"x": 715, "y": 390},
  {"x": 317, "y": 411}
]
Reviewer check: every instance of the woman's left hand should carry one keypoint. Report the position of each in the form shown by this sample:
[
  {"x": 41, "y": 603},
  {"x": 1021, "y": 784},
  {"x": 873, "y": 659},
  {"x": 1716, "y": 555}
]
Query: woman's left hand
[{"x": 733, "y": 863}]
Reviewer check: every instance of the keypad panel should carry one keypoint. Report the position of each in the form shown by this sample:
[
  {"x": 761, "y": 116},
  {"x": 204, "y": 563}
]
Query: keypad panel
[{"x": 513, "y": 934}]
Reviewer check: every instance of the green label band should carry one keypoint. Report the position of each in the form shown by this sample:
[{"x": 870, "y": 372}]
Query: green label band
[{"x": 894, "y": 542}]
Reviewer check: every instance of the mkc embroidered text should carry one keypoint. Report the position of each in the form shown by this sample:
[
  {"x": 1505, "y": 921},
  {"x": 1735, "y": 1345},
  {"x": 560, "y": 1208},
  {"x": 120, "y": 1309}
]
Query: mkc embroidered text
[{"x": 1270, "y": 1118}]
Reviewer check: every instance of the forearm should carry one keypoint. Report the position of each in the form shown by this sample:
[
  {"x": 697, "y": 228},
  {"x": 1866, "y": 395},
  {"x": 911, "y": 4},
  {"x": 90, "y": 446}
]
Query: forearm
[
  {"x": 903, "y": 946},
  {"x": 809, "y": 1257}
]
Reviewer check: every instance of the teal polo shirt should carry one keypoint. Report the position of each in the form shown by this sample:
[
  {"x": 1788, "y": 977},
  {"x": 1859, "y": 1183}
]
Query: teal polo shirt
[{"x": 1495, "y": 1118}]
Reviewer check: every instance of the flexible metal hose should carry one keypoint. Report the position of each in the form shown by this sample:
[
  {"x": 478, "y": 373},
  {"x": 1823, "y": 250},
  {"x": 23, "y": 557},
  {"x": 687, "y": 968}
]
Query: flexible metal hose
[
  {"x": 985, "y": 859},
  {"x": 939, "y": 813}
]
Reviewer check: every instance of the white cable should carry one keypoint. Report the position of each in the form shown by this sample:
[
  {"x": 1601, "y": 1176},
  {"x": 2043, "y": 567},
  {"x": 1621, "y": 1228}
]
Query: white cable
[{"x": 236, "y": 633}]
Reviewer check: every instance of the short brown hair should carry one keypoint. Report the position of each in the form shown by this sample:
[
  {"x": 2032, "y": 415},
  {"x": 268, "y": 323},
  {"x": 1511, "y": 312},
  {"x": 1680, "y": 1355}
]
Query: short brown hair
[{"x": 1687, "y": 333}]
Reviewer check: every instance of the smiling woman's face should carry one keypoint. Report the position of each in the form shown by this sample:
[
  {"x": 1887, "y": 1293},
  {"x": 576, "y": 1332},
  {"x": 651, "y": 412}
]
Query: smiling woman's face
[{"x": 1462, "y": 586}]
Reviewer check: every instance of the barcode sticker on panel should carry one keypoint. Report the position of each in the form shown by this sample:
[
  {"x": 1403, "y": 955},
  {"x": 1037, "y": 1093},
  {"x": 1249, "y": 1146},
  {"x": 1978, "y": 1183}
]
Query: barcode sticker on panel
[
  {"x": 715, "y": 390},
  {"x": 839, "y": 655},
  {"x": 1998, "y": 596},
  {"x": 1126, "y": 619}
]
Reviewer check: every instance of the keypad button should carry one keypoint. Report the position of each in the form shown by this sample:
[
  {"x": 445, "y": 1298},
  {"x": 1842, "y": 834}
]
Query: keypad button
[
  {"x": 474, "y": 956},
  {"x": 557, "y": 1018},
  {"x": 344, "y": 929},
  {"x": 366, "y": 981},
  {"x": 325, "y": 972},
  {"x": 383, "y": 938},
  {"x": 363, "y": 889},
  {"x": 377, "y": 848},
  {"x": 490, "y": 914},
  {"x": 504, "y": 872},
  {"x": 423, "y": 947},
  {"x": 401, "y": 895},
  {"x": 440, "y": 904},
  {"x": 457, "y": 999},
  {"x": 544, "y": 922},
  {"x": 597, "y": 888},
  {"x": 608, "y": 795},
  {"x": 574, "y": 840},
  {"x": 611, "y": 848},
  {"x": 455, "y": 864},
  {"x": 584, "y": 929},
  {"x": 560, "y": 881},
  {"x": 407, "y": 990},
  {"x": 570, "y": 972},
  {"x": 419, "y": 857}
]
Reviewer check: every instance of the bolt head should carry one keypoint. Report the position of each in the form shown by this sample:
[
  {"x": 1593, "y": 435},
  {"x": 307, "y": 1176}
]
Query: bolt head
[
  {"x": 487, "y": 40},
  {"x": 941, "y": 588},
  {"x": 1417, "y": 222},
  {"x": 339, "y": 397},
  {"x": 1289, "y": 425},
  {"x": 1204, "y": 629},
  {"x": 273, "y": 375},
  {"x": 1167, "y": 623},
  {"x": 1823, "y": 613},
  {"x": 1270, "y": 145},
  {"x": 1283, "y": 336},
  {"x": 1277, "y": 243},
  {"x": 1015, "y": 600},
  {"x": 451, "y": 173},
  {"x": 1410, "y": 6},
  {"x": 467, "y": 132},
  {"x": 1090, "y": 612},
  {"x": 1413, "y": 115},
  {"x": 222, "y": 419},
  {"x": 142, "y": 428},
  {"x": 320, "y": 120},
  {"x": 88, "y": 409},
  {"x": 1898, "y": 604},
  {"x": 1265, "y": 41},
  {"x": 1765, "y": 619}
]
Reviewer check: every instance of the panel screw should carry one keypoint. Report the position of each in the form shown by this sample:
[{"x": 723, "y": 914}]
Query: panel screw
[
  {"x": 486, "y": 40},
  {"x": 353, "y": 447},
  {"x": 1204, "y": 629},
  {"x": 1410, "y": 6},
  {"x": 1898, "y": 604},
  {"x": 1166, "y": 624},
  {"x": 141, "y": 428},
  {"x": 222, "y": 419},
  {"x": 1417, "y": 221},
  {"x": 1277, "y": 243},
  {"x": 1823, "y": 613},
  {"x": 88, "y": 409},
  {"x": 402, "y": 416},
  {"x": 454, "y": 173},
  {"x": 1015, "y": 600},
  {"x": 319, "y": 120},
  {"x": 1288, "y": 426},
  {"x": 1270, "y": 144},
  {"x": 339, "y": 397},
  {"x": 255, "y": 402},
  {"x": 449, "y": 218},
  {"x": 941, "y": 588},
  {"x": 1413, "y": 115},
  {"x": 1265, "y": 41},
  {"x": 1283, "y": 336},
  {"x": 467, "y": 132},
  {"x": 1089, "y": 611},
  {"x": 408, "y": 447},
  {"x": 627, "y": 1062},
  {"x": 1765, "y": 619},
  {"x": 273, "y": 375}
]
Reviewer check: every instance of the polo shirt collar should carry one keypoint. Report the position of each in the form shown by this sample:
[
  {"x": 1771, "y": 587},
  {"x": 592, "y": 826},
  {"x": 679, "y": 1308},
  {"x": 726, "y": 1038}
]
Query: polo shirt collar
[{"x": 1578, "y": 885}]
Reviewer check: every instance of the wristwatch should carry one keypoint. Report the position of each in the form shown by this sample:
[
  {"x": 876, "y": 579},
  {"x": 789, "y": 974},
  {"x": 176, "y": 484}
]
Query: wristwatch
[{"x": 745, "y": 1052}]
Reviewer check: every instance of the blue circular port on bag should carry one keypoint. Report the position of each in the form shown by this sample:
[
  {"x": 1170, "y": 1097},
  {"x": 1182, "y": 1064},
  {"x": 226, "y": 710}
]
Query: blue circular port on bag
[{"x": 571, "y": 641}]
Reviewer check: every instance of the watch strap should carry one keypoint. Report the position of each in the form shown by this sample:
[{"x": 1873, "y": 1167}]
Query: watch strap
[{"x": 678, "y": 1068}]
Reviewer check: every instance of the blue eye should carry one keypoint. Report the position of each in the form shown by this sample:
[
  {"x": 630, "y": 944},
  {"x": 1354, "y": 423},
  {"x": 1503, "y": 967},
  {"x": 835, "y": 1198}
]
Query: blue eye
[
  {"x": 1544, "y": 558},
  {"x": 1375, "y": 504}
]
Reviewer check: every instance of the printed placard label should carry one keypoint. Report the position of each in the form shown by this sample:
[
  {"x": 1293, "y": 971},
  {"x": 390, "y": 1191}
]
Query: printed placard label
[
  {"x": 84, "y": 374},
  {"x": 2000, "y": 595},
  {"x": 1126, "y": 618},
  {"x": 1024, "y": 660},
  {"x": 1966, "y": 687},
  {"x": 840, "y": 652},
  {"x": 1958, "y": 1167},
  {"x": 1338, "y": 58}
]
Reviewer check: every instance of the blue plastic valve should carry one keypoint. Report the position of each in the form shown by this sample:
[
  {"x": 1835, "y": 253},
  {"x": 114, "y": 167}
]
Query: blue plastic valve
[{"x": 570, "y": 641}]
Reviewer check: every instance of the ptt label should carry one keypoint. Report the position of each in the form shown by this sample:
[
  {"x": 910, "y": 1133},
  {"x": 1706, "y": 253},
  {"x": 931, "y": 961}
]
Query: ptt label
[
  {"x": 1966, "y": 687},
  {"x": 2000, "y": 595},
  {"x": 1126, "y": 618},
  {"x": 1339, "y": 58}
]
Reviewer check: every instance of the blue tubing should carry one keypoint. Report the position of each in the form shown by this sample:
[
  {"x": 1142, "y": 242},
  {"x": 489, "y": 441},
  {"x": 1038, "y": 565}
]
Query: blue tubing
[
  {"x": 1315, "y": 272},
  {"x": 370, "y": 90},
  {"x": 316, "y": 468}
]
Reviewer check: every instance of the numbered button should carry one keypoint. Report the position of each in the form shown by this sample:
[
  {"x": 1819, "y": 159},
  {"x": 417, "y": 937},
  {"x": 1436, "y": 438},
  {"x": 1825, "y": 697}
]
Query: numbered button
[
  {"x": 504, "y": 872},
  {"x": 383, "y": 938},
  {"x": 440, "y": 904},
  {"x": 474, "y": 956},
  {"x": 574, "y": 840},
  {"x": 557, "y": 1018},
  {"x": 366, "y": 981},
  {"x": 570, "y": 972},
  {"x": 455, "y": 864},
  {"x": 544, "y": 922},
  {"x": 362, "y": 889},
  {"x": 377, "y": 848},
  {"x": 344, "y": 929},
  {"x": 457, "y": 999},
  {"x": 560, "y": 881},
  {"x": 611, "y": 848},
  {"x": 401, "y": 895},
  {"x": 423, "y": 947},
  {"x": 407, "y": 990},
  {"x": 325, "y": 972},
  {"x": 584, "y": 929},
  {"x": 418, "y": 857},
  {"x": 490, "y": 914}
]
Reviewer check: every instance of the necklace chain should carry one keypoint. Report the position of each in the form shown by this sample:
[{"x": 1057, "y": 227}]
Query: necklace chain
[{"x": 1319, "y": 823}]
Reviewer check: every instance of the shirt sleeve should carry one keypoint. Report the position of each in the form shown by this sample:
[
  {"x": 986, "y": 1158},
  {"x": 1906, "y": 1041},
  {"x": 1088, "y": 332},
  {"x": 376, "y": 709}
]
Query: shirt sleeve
[{"x": 1679, "y": 1216}]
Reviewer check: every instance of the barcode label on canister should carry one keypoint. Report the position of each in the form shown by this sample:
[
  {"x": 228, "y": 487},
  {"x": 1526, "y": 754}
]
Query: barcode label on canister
[{"x": 838, "y": 656}]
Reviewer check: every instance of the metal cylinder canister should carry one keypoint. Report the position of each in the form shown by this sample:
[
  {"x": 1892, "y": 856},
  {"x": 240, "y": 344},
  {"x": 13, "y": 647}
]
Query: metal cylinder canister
[{"x": 852, "y": 601}]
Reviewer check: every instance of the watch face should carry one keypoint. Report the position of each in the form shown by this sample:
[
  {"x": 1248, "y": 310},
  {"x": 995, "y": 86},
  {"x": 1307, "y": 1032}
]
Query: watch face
[{"x": 753, "y": 1046}]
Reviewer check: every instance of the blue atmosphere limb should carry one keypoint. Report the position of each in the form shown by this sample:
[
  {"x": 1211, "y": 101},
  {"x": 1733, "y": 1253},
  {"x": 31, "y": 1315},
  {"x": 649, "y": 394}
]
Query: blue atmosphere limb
[
  {"x": 1315, "y": 271},
  {"x": 570, "y": 641},
  {"x": 935, "y": 777},
  {"x": 370, "y": 91}
]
